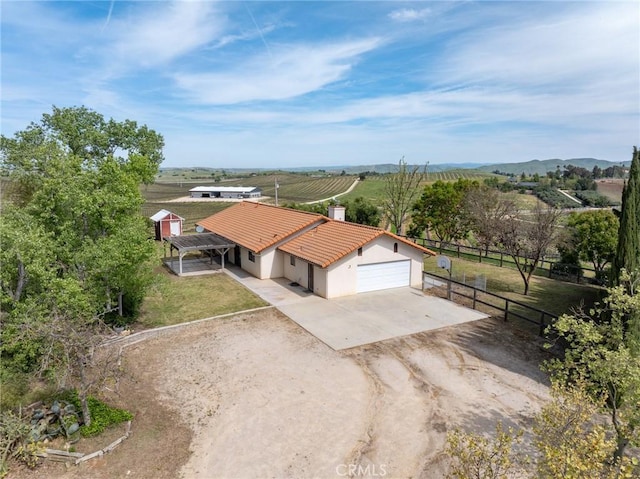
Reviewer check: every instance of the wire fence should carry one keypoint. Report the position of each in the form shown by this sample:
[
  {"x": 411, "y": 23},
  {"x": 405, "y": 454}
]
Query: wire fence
[{"x": 549, "y": 266}]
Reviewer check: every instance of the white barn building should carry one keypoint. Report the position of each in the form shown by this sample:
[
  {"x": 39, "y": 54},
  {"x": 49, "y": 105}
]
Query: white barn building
[{"x": 234, "y": 192}]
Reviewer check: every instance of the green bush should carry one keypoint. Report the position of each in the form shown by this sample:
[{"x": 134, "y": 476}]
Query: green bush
[
  {"x": 102, "y": 415},
  {"x": 592, "y": 198},
  {"x": 553, "y": 197}
]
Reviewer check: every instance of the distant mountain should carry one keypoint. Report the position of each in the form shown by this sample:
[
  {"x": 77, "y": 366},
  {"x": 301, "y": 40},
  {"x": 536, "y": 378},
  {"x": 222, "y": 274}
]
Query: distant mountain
[
  {"x": 386, "y": 168},
  {"x": 528, "y": 167},
  {"x": 541, "y": 167},
  {"x": 348, "y": 169}
]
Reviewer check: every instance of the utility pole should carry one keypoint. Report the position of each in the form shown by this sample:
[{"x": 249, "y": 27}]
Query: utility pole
[{"x": 277, "y": 186}]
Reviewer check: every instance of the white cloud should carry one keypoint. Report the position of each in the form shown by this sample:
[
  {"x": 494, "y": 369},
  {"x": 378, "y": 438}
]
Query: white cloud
[
  {"x": 290, "y": 71},
  {"x": 409, "y": 14},
  {"x": 162, "y": 32},
  {"x": 244, "y": 36},
  {"x": 565, "y": 50}
]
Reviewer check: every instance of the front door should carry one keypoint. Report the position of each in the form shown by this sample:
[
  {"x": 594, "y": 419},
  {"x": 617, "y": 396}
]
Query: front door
[
  {"x": 236, "y": 255},
  {"x": 310, "y": 280}
]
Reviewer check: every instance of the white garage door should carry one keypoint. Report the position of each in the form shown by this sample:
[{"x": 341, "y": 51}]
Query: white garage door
[{"x": 373, "y": 277}]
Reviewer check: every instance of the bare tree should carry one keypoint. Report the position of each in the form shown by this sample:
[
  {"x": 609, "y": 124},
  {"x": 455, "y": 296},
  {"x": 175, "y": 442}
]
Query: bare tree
[
  {"x": 68, "y": 336},
  {"x": 400, "y": 192},
  {"x": 486, "y": 209},
  {"x": 527, "y": 238}
]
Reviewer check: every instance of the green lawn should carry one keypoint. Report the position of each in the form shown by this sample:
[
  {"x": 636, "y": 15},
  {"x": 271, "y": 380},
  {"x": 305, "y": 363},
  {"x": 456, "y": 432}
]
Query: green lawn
[
  {"x": 523, "y": 201},
  {"x": 556, "y": 297},
  {"x": 175, "y": 299},
  {"x": 372, "y": 189}
]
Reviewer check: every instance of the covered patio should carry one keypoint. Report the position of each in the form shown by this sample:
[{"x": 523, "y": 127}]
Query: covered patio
[{"x": 209, "y": 244}]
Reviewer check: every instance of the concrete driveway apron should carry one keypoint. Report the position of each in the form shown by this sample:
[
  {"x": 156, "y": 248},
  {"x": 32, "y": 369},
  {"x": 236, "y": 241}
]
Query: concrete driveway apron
[{"x": 365, "y": 318}]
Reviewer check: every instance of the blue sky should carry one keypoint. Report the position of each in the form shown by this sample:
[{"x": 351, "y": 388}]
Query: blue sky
[{"x": 283, "y": 84}]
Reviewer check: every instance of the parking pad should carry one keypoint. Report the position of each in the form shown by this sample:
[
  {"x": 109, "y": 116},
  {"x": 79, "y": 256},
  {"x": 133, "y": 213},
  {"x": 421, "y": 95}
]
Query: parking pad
[{"x": 366, "y": 318}]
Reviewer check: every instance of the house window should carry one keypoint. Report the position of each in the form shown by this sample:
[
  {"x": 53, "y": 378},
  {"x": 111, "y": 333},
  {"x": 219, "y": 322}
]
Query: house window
[
  {"x": 292, "y": 261},
  {"x": 252, "y": 257},
  {"x": 359, "y": 251},
  {"x": 395, "y": 247}
]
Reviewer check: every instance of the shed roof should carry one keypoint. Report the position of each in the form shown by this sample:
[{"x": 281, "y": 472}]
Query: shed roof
[
  {"x": 257, "y": 226},
  {"x": 327, "y": 243},
  {"x": 199, "y": 242},
  {"x": 163, "y": 214}
]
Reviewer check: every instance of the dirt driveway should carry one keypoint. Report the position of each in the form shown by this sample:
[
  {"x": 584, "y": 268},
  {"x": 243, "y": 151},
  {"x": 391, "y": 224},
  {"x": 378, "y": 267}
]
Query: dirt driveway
[{"x": 257, "y": 396}]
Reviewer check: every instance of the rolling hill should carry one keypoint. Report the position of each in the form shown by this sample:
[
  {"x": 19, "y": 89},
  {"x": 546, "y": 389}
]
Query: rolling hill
[{"x": 541, "y": 167}]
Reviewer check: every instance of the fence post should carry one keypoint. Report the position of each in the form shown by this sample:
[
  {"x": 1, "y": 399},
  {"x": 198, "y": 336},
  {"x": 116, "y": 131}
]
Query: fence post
[
  {"x": 475, "y": 293},
  {"x": 501, "y": 259},
  {"x": 458, "y": 250},
  {"x": 479, "y": 255},
  {"x": 449, "y": 287},
  {"x": 542, "y": 324},
  {"x": 506, "y": 309}
]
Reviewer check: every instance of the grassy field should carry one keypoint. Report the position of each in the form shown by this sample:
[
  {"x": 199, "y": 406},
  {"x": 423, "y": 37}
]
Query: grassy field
[
  {"x": 453, "y": 175},
  {"x": 176, "y": 299},
  {"x": 611, "y": 188},
  {"x": 372, "y": 188},
  {"x": 191, "y": 212},
  {"x": 165, "y": 191},
  {"x": 293, "y": 187},
  {"x": 553, "y": 296},
  {"x": 524, "y": 201}
]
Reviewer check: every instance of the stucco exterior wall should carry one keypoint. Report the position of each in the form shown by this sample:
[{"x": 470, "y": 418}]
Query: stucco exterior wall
[
  {"x": 320, "y": 282},
  {"x": 250, "y": 267},
  {"x": 298, "y": 273},
  {"x": 342, "y": 277},
  {"x": 271, "y": 263}
]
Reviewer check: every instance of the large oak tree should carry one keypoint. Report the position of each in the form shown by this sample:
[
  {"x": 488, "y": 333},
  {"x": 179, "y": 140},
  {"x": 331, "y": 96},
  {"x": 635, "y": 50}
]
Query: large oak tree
[
  {"x": 75, "y": 246},
  {"x": 440, "y": 209},
  {"x": 594, "y": 235}
]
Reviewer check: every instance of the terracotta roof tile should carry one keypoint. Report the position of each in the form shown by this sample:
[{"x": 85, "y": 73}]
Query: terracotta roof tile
[
  {"x": 257, "y": 226},
  {"x": 330, "y": 241}
]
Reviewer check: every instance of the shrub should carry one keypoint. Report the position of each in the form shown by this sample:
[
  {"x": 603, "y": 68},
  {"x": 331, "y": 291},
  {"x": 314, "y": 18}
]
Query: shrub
[
  {"x": 554, "y": 198},
  {"x": 14, "y": 441},
  {"x": 592, "y": 198},
  {"x": 102, "y": 415}
]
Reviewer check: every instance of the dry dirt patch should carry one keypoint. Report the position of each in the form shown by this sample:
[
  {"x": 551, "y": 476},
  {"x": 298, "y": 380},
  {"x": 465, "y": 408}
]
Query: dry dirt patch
[{"x": 257, "y": 396}]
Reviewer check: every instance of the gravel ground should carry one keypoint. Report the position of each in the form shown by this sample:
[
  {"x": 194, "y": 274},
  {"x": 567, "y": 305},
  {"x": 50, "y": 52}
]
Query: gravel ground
[{"x": 257, "y": 396}]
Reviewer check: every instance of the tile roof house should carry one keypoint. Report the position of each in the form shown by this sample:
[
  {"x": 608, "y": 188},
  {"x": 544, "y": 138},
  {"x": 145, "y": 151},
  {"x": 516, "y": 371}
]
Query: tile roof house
[{"x": 329, "y": 257}]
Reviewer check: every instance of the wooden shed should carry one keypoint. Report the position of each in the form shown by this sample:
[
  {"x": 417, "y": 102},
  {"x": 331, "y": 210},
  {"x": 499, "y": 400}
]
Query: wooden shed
[{"x": 167, "y": 224}]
